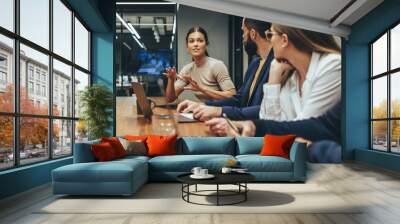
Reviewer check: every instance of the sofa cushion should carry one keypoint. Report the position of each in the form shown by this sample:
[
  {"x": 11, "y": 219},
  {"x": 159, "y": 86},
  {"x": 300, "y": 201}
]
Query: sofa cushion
[
  {"x": 134, "y": 147},
  {"x": 103, "y": 152},
  {"x": 161, "y": 145},
  {"x": 131, "y": 158},
  {"x": 83, "y": 152},
  {"x": 249, "y": 145},
  {"x": 112, "y": 171},
  {"x": 185, "y": 163},
  {"x": 209, "y": 145},
  {"x": 116, "y": 145},
  {"x": 136, "y": 137},
  {"x": 277, "y": 145},
  {"x": 257, "y": 163}
]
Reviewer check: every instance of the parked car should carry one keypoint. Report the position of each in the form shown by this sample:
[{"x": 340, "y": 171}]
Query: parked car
[
  {"x": 22, "y": 155},
  {"x": 10, "y": 157}
]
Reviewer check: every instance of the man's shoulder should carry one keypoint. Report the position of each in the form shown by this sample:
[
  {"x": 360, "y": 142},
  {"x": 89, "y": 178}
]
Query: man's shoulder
[{"x": 255, "y": 60}]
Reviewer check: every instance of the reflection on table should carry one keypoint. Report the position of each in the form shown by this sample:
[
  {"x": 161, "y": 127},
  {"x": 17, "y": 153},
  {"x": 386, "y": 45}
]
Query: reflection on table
[{"x": 163, "y": 121}]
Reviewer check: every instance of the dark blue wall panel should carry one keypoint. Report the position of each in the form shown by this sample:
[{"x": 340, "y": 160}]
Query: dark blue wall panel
[
  {"x": 24, "y": 178},
  {"x": 103, "y": 52},
  {"x": 356, "y": 93},
  {"x": 89, "y": 11}
]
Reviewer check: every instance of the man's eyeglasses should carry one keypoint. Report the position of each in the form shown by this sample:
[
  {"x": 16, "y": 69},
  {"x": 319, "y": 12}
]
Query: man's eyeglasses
[{"x": 269, "y": 34}]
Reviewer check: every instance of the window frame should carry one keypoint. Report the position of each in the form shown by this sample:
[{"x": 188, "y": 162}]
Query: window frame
[
  {"x": 388, "y": 74},
  {"x": 16, "y": 114}
]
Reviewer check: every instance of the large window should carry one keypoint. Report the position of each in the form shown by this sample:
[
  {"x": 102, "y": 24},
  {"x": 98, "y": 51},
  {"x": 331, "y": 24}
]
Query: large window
[
  {"x": 7, "y": 14},
  {"x": 385, "y": 92},
  {"x": 40, "y": 80}
]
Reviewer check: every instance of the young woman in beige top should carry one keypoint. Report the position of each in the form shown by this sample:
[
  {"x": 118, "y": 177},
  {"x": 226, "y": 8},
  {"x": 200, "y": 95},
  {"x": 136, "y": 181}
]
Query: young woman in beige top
[{"x": 206, "y": 76}]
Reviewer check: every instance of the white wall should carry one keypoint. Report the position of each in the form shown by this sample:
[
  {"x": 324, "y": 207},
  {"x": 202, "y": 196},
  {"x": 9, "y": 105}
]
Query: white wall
[{"x": 216, "y": 25}]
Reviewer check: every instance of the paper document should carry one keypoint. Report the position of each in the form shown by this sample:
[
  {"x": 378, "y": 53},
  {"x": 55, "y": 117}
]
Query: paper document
[{"x": 187, "y": 115}]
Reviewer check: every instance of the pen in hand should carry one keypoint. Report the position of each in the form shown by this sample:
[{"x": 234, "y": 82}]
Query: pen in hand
[{"x": 236, "y": 129}]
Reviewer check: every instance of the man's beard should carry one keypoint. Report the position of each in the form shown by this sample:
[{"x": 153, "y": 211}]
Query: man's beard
[{"x": 250, "y": 47}]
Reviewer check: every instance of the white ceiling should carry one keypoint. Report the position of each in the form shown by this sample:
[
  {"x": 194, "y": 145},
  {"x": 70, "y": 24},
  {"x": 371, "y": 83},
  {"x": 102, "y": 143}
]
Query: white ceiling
[
  {"x": 313, "y": 15},
  {"x": 321, "y": 9}
]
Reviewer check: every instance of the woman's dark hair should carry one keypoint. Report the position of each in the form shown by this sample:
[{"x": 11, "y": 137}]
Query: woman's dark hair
[
  {"x": 200, "y": 30},
  {"x": 259, "y": 26}
]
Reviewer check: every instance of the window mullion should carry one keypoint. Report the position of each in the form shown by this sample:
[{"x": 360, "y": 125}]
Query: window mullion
[
  {"x": 389, "y": 106},
  {"x": 73, "y": 82},
  {"x": 16, "y": 84},
  {"x": 50, "y": 81}
]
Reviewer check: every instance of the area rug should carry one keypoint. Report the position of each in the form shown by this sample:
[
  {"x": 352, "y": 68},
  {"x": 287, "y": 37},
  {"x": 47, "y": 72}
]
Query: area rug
[{"x": 167, "y": 198}]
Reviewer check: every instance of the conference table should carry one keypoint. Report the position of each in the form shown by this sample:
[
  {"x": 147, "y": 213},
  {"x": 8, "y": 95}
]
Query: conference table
[{"x": 163, "y": 122}]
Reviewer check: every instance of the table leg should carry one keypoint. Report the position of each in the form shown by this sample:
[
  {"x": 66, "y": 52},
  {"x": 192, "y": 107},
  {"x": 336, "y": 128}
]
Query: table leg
[
  {"x": 217, "y": 194},
  {"x": 182, "y": 189},
  {"x": 196, "y": 188},
  {"x": 188, "y": 189},
  {"x": 245, "y": 192}
]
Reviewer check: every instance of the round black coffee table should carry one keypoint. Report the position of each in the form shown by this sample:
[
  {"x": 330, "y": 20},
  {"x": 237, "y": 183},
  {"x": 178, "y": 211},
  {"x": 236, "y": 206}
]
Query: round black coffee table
[{"x": 238, "y": 179}]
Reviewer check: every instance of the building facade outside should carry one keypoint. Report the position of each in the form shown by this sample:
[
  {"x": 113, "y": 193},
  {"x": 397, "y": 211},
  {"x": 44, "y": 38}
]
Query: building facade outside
[{"x": 34, "y": 82}]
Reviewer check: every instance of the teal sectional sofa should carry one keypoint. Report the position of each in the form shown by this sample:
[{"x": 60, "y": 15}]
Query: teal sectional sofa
[{"x": 125, "y": 176}]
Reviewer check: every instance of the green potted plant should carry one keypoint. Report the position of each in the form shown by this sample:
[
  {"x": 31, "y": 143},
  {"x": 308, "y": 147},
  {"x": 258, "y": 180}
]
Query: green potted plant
[{"x": 96, "y": 102}]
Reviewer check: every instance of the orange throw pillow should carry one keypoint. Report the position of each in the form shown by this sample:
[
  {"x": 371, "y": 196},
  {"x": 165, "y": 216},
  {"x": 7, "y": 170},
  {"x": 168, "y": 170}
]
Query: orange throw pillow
[
  {"x": 161, "y": 145},
  {"x": 103, "y": 152},
  {"x": 135, "y": 138},
  {"x": 116, "y": 145},
  {"x": 277, "y": 145}
]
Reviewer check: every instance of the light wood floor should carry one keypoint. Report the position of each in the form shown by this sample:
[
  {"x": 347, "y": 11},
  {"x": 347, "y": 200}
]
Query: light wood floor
[{"x": 377, "y": 188}]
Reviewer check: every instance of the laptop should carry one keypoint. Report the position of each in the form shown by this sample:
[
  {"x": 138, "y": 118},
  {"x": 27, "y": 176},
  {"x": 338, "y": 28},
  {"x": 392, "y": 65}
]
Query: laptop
[{"x": 145, "y": 106}]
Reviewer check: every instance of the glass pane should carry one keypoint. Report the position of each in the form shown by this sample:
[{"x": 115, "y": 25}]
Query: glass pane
[
  {"x": 395, "y": 94},
  {"x": 395, "y": 47},
  {"x": 6, "y": 74},
  {"x": 7, "y": 14},
  {"x": 379, "y": 135},
  {"x": 81, "y": 131},
  {"x": 379, "y": 55},
  {"x": 379, "y": 98},
  {"x": 62, "y": 89},
  {"x": 35, "y": 21},
  {"x": 395, "y": 136},
  {"x": 81, "y": 81},
  {"x": 34, "y": 97},
  {"x": 81, "y": 45},
  {"x": 6, "y": 142},
  {"x": 33, "y": 139},
  {"x": 62, "y": 29},
  {"x": 146, "y": 58},
  {"x": 62, "y": 138}
]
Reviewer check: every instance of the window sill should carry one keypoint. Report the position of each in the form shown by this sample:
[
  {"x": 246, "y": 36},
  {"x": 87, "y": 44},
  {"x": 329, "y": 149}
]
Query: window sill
[{"x": 26, "y": 167}]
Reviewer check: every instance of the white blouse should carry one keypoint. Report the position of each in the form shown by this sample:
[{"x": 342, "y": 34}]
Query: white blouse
[{"x": 320, "y": 91}]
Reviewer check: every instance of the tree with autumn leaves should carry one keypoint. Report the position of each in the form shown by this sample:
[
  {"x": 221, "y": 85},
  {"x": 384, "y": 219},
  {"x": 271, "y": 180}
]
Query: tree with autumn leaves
[
  {"x": 33, "y": 131},
  {"x": 380, "y": 127}
]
